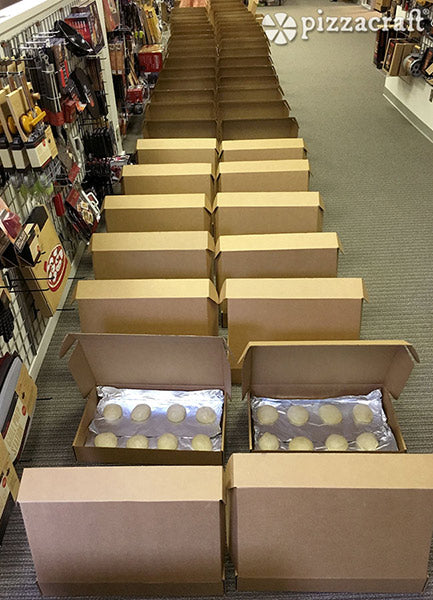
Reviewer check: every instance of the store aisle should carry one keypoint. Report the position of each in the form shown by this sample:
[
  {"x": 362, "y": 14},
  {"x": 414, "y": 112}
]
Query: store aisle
[{"x": 372, "y": 168}]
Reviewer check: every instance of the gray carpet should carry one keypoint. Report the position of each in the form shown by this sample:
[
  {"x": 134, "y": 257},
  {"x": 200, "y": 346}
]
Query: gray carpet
[{"x": 372, "y": 169}]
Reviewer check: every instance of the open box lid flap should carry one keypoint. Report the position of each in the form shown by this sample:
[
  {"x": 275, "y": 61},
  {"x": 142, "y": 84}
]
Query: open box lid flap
[
  {"x": 147, "y": 361},
  {"x": 273, "y": 143},
  {"x": 356, "y": 471},
  {"x": 157, "y": 201},
  {"x": 278, "y": 241},
  {"x": 121, "y": 484},
  {"x": 152, "y": 241},
  {"x": 265, "y": 166},
  {"x": 168, "y": 170},
  {"x": 386, "y": 363},
  {"x": 268, "y": 200}
]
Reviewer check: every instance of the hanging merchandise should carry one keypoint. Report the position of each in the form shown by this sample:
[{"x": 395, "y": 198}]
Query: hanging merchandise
[
  {"x": 85, "y": 20},
  {"x": 412, "y": 65},
  {"x": 83, "y": 213},
  {"x": 74, "y": 41},
  {"x": 86, "y": 92}
]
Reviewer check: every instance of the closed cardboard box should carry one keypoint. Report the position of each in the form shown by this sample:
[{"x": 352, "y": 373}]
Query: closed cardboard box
[
  {"x": 163, "y": 212},
  {"x": 276, "y": 255},
  {"x": 125, "y": 530},
  {"x": 264, "y": 176},
  {"x": 290, "y": 309},
  {"x": 270, "y": 149},
  {"x": 177, "y": 150},
  {"x": 148, "y": 362},
  {"x": 186, "y": 178},
  {"x": 157, "y": 306},
  {"x": 153, "y": 255},
  {"x": 267, "y": 212},
  {"x": 247, "y": 129},
  {"x": 273, "y": 109}
]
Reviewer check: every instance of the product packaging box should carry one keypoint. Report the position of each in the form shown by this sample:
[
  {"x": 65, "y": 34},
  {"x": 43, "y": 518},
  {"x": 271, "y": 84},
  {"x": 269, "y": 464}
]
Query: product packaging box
[
  {"x": 160, "y": 212},
  {"x": 180, "y": 112},
  {"x": 147, "y": 362},
  {"x": 99, "y": 531},
  {"x": 246, "y": 129},
  {"x": 245, "y": 61},
  {"x": 177, "y": 150},
  {"x": 266, "y": 149},
  {"x": 273, "y": 109},
  {"x": 177, "y": 61},
  {"x": 264, "y": 176},
  {"x": 179, "y": 96},
  {"x": 270, "y": 94},
  {"x": 246, "y": 72},
  {"x": 197, "y": 73},
  {"x": 153, "y": 255},
  {"x": 290, "y": 309},
  {"x": 186, "y": 178},
  {"x": 396, "y": 52},
  {"x": 188, "y": 128},
  {"x": 244, "y": 53},
  {"x": 268, "y": 212},
  {"x": 276, "y": 255},
  {"x": 9, "y": 484},
  {"x": 156, "y": 306},
  {"x": 199, "y": 83},
  {"x": 251, "y": 82}
]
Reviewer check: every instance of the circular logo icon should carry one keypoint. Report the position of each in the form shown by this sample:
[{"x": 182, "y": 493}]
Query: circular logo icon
[
  {"x": 280, "y": 28},
  {"x": 55, "y": 267}
]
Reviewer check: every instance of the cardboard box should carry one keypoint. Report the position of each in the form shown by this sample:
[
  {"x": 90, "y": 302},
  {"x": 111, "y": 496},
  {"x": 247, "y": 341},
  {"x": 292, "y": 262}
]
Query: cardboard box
[
  {"x": 125, "y": 530},
  {"x": 177, "y": 150},
  {"x": 9, "y": 484},
  {"x": 246, "y": 72},
  {"x": 252, "y": 95},
  {"x": 161, "y": 212},
  {"x": 145, "y": 362},
  {"x": 264, "y": 176},
  {"x": 396, "y": 51},
  {"x": 270, "y": 149},
  {"x": 252, "y": 52},
  {"x": 276, "y": 255},
  {"x": 272, "y": 212},
  {"x": 156, "y": 306},
  {"x": 174, "y": 61},
  {"x": 290, "y": 309},
  {"x": 245, "y": 61},
  {"x": 249, "y": 83},
  {"x": 153, "y": 255},
  {"x": 180, "y": 112},
  {"x": 259, "y": 129},
  {"x": 273, "y": 109},
  {"x": 186, "y": 178},
  {"x": 177, "y": 97},
  {"x": 197, "y": 73},
  {"x": 185, "y": 129},
  {"x": 200, "y": 83}
]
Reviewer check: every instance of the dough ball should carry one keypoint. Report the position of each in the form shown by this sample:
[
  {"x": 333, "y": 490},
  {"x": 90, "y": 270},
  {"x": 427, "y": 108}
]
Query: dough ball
[
  {"x": 362, "y": 414},
  {"x": 301, "y": 443},
  {"x": 267, "y": 415},
  {"x": 141, "y": 413},
  {"x": 205, "y": 415},
  {"x": 367, "y": 441},
  {"x": 176, "y": 413},
  {"x": 269, "y": 441},
  {"x": 201, "y": 442},
  {"x": 330, "y": 414},
  {"x": 167, "y": 441},
  {"x": 298, "y": 415},
  {"x": 336, "y": 443},
  {"x": 106, "y": 440},
  {"x": 138, "y": 441},
  {"x": 112, "y": 412}
]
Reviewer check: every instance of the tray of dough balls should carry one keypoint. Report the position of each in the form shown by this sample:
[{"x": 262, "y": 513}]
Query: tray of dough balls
[
  {"x": 157, "y": 419},
  {"x": 346, "y": 423}
]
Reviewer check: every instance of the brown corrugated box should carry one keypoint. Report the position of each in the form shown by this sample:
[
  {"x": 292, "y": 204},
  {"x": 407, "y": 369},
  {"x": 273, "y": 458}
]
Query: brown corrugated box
[
  {"x": 273, "y": 109},
  {"x": 125, "y": 530},
  {"x": 161, "y": 212},
  {"x": 276, "y": 255},
  {"x": 145, "y": 362},
  {"x": 177, "y": 61},
  {"x": 9, "y": 485},
  {"x": 177, "y": 150},
  {"x": 196, "y": 73},
  {"x": 153, "y": 255},
  {"x": 246, "y": 72},
  {"x": 265, "y": 149},
  {"x": 359, "y": 522},
  {"x": 156, "y": 306},
  {"x": 264, "y": 176},
  {"x": 245, "y": 61},
  {"x": 186, "y": 178},
  {"x": 290, "y": 309},
  {"x": 227, "y": 94},
  {"x": 184, "y": 111},
  {"x": 249, "y": 83},
  {"x": 242, "y": 52},
  {"x": 247, "y": 129},
  {"x": 268, "y": 212},
  {"x": 202, "y": 83},
  {"x": 190, "y": 128},
  {"x": 179, "y": 96}
]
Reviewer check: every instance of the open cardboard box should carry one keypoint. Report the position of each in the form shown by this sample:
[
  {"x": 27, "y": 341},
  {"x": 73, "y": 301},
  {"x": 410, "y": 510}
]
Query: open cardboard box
[
  {"x": 177, "y": 150},
  {"x": 177, "y": 97},
  {"x": 259, "y": 128},
  {"x": 272, "y": 109},
  {"x": 185, "y": 178},
  {"x": 155, "y": 306},
  {"x": 153, "y": 255},
  {"x": 245, "y": 61},
  {"x": 267, "y": 212},
  {"x": 160, "y": 362},
  {"x": 160, "y": 212},
  {"x": 249, "y": 83},
  {"x": 191, "y": 128},
  {"x": 254, "y": 52},
  {"x": 276, "y": 255},
  {"x": 246, "y": 72},
  {"x": 359, "y": 522},
  {"x": 196, "y": 73},
  {"x": 199, "y": 83},
  {"x": 125, "y": 530},
  {"x": 181, "y": 112},
  {"x": 174, "y": 61},
  {"x": 253, "y": 95},
  {"x": 290, "y": 309},
  {"x": 267, "y": 149},
  {"x": 264, "y": 176}
]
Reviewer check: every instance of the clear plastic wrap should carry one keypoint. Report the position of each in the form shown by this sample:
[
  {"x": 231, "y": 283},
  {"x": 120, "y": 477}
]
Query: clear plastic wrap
[
  {"x": 316, "y": 430},
  {"x": 158, "y": 423}
]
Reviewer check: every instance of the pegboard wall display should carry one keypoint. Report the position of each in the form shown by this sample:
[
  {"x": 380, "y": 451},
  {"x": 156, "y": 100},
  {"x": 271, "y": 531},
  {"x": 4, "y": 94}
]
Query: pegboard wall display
[{"x": 59, "y": 154}]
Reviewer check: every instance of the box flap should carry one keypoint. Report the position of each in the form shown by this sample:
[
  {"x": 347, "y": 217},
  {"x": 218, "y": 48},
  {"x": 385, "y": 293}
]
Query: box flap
[
  {"x": 100, "y": 289},
  {"x": 263, "y": 143},
  {"x": 268, "y": 199},
  {"x": 157, "y": 201},
  {"x": 277, "y": 241},
  {"x": 386, "y": 363},
  {"x": 268, "y": 166},
  {"x": 300, "y": 288},
  {"x": 177, "y": 143},
  {"x": 331, "y": 470},
  {"x": 167, "y": 170},
  {"x": 152, "y": 241},
  {"x": 154, "y": 361},
  {"x": 121, "y": 484}
]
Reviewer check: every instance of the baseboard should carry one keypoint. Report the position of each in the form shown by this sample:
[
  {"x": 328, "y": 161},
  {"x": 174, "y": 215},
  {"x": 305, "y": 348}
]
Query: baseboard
[{"x": 409, "y": 115}]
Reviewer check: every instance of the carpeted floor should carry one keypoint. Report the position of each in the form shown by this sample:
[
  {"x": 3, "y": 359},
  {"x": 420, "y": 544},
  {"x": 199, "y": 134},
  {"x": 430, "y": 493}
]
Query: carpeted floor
[{"x": 372, "y": 168}]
